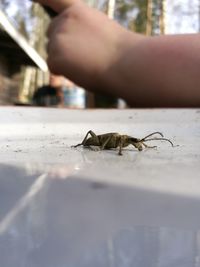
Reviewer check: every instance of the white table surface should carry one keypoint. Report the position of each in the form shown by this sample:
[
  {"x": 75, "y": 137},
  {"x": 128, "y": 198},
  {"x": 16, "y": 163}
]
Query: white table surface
[{"x": 61, "y": 206}]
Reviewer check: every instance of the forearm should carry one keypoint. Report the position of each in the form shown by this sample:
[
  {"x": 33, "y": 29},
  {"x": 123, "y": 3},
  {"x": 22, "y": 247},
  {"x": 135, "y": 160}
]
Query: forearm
[{"x": 158, "y": 71}]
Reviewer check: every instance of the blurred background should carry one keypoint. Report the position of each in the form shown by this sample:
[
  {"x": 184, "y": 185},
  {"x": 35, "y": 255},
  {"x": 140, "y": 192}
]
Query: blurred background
[{"x": 24, "y": 76}]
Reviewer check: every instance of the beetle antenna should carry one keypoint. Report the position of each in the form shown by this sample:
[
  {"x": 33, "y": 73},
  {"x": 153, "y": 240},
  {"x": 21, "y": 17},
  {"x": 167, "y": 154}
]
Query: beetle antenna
[
  {"x": 144, "y": 139},
  {"x": 162, "y": 139}
]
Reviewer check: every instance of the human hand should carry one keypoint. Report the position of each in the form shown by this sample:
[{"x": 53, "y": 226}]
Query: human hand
[
  {"x": 98, "y": 54},
  {"x": 83, "y": 42}
]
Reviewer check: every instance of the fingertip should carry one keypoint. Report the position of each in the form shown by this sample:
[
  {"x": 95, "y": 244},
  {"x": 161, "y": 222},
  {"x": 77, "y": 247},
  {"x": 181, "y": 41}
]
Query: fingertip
[{"x": 57, "y": 5}]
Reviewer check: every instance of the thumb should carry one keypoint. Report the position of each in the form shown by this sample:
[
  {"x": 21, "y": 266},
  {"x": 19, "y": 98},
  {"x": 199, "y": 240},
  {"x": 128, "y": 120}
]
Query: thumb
[{"x": 57, "y": 5}]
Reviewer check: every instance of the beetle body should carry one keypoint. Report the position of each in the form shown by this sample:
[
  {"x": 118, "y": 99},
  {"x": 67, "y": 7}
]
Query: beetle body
[{"x": 115, "y": 140}]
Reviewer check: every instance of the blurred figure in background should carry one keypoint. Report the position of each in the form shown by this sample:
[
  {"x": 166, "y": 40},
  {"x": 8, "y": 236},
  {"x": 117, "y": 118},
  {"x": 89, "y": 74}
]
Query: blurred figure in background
[
  {"x": 60, "y": 92},
  {"x": 51, "y": 94},
  {"x": 74, "y": 96}
]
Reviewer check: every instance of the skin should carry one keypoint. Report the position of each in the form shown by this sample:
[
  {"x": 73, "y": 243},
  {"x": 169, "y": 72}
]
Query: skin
[{"x": 101, "y": 56}]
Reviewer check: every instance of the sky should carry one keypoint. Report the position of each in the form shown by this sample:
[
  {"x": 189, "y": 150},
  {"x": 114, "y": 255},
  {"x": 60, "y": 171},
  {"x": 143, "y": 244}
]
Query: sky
[
  {"x": 182, "y": 16},
  {"x": 13, "y": 5}
]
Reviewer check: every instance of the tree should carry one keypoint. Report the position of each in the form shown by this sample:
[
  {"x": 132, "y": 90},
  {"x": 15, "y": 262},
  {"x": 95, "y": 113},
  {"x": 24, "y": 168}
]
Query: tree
[
  {"x": 144, "y": 16},
  {"x": 158, "y": 16},
  {"x": 163, "y": 16},
  {"x": 132, "y": 14},
  {"x": 149, "y": 23}
]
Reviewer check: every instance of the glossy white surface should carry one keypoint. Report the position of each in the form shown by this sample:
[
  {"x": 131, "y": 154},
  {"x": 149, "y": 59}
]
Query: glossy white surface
[{"x": 61, "y": 206}]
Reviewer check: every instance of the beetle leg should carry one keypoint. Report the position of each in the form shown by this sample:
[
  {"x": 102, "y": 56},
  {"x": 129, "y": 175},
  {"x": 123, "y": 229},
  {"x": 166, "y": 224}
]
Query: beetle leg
[
  {"x": 120, "y": 150},
  {"x": 77, "y": 145},
  {"x": 106, "y": 141},
  {"x": 145, "y": 145},
  {"x": 120, "y": 147},
  {"x": 84, "y": 140},
  {"x": 92, "y": 134}
]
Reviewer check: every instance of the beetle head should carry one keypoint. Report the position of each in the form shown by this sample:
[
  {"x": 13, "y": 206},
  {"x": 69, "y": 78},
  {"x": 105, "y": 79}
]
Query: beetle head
[{"x": 136, "y": 143}]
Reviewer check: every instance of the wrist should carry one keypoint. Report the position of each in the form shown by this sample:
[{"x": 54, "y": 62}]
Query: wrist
[{"x": 122, "y": 65}]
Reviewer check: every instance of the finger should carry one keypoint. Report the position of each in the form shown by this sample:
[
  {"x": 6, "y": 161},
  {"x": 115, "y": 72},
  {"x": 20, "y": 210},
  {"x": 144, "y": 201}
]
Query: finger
[
  {"x": 53, "y": 26},
  {"x": 57, "y": 5}
]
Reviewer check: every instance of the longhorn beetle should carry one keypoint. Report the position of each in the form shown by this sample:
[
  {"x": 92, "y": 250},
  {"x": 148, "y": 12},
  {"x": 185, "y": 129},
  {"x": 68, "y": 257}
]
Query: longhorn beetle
[{"x": 114, "y": 140}]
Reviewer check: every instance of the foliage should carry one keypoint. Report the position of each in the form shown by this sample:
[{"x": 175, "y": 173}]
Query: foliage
[{"x": 133, "y": 14}]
